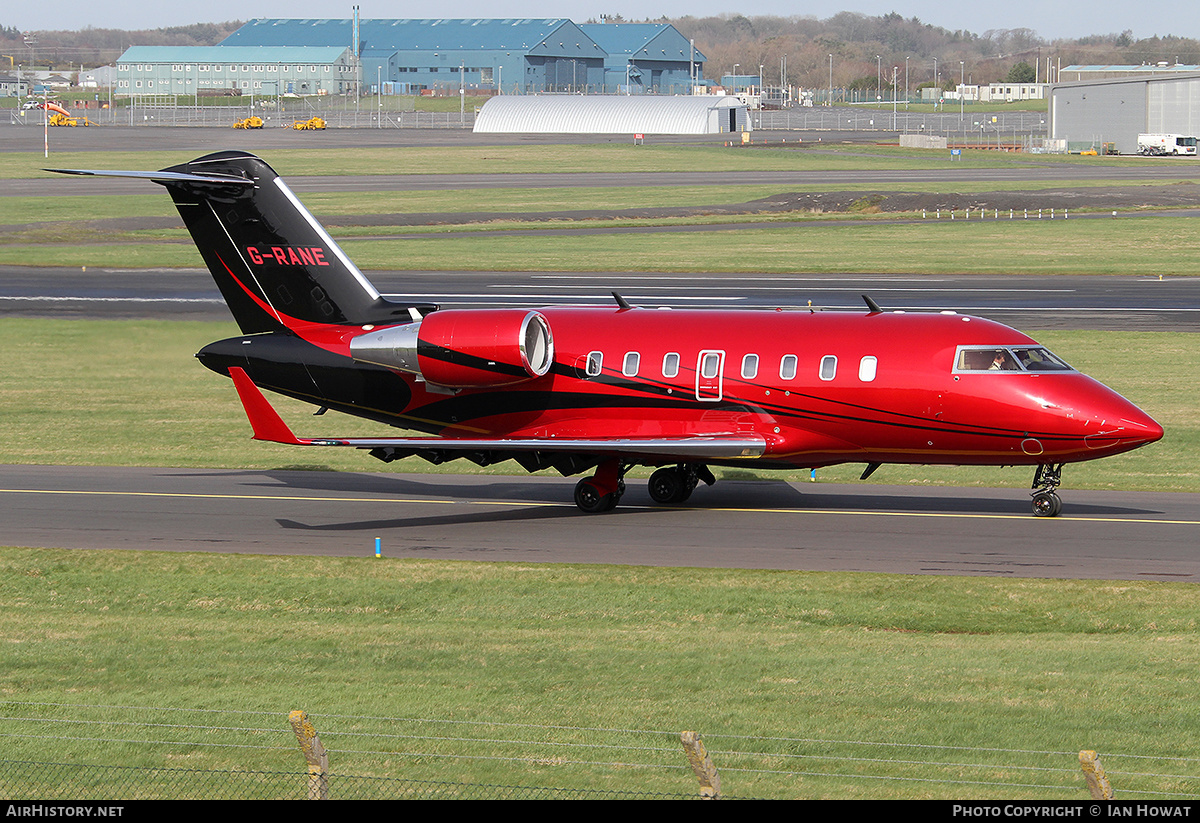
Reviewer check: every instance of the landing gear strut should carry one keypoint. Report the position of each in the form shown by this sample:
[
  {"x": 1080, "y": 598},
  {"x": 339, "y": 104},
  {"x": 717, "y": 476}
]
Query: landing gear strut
[
  {"x": 675, "y": 484},
  {"x": 1046, "y": 502}
]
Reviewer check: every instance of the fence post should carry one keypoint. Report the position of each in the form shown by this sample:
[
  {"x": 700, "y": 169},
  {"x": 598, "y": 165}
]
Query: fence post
[
  {"x": 314, "y": 754},
  {"x": 702, "y": 765},
  {"x": 1097, "y": 780}
]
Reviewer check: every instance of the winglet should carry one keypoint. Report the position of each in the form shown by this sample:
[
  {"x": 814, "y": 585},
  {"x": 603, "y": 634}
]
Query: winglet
[{"x": 265, "y": 421}]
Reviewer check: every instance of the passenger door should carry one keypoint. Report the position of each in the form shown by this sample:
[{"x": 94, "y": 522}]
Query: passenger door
[{"x": 710, "y": 371}]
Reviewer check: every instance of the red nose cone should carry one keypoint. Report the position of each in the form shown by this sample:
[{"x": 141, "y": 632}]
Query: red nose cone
[
  {"x": 1124, "y": 427},
  {"x": 1143, "y": 429}
]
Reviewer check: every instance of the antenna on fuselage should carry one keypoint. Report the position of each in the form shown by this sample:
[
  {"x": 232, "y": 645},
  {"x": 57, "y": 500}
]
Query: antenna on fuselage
[
  {"x": 622, "y": 303},
  {"x": 872, "y": 305}
]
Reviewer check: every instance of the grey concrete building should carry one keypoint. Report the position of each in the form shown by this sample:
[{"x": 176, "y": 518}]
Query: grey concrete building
[{"x": 1118, "y": 110}]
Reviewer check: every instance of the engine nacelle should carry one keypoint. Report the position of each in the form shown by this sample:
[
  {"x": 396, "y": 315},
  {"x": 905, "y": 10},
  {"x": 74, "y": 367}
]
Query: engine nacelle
[{"x": 464, "y": 348}]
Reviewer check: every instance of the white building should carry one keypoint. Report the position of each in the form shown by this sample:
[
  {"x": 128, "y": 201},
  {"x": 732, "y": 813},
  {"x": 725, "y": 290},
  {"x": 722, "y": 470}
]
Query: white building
[{"x": 613, "y": 114}]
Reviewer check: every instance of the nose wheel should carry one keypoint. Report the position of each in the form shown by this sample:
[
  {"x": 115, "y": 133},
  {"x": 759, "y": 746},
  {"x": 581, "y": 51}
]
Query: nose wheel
[{"x": 1046, "y": 480}]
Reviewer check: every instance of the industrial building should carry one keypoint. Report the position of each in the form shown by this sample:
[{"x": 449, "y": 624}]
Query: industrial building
[
  {"x": 1116, "y": 111},
  {"x": 1116, "y": 72},
  {"x": 199, "y": 70},
  {"x": 646, "y": 57},
  {"x": 614, "y": 114},
  {"x": 13, "y": 86},
  {"x": 509, "y": 56}
]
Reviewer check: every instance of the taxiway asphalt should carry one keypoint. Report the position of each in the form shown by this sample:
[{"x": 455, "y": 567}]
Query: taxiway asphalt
[{"x": 734, "y": 524}]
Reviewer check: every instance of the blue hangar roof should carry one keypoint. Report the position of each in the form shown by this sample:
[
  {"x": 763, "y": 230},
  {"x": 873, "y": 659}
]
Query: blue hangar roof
[
  {"x": 224, "y": 54},
  {"x": 642, "y": 41},
  {"x": 376, "y": 35}
]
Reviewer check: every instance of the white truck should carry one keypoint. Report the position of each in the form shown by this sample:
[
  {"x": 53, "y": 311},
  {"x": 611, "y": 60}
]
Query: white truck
[{"x": 1173, "y": 144}]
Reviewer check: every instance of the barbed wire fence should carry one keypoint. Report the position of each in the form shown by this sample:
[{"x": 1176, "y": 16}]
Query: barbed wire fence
[{"x": 100, "y": 752}]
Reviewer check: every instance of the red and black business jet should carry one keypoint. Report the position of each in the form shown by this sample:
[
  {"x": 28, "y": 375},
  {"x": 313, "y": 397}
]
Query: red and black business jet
[{"x": 600, "y": 389}]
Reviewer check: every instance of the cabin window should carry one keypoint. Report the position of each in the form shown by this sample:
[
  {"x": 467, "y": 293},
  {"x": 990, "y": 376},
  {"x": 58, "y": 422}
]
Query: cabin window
[
  {"x": 750, "y": 367},
  {"x": 867, "y": 367},
  {"x": 595, "y": 362},
  {"x": 787, "y": 367},
  {"x": 828, "y": 367},
  {"x": 629, "y": 368},
  {"x": 710, "y": 365},
  {"x": 670, "y": 364}
]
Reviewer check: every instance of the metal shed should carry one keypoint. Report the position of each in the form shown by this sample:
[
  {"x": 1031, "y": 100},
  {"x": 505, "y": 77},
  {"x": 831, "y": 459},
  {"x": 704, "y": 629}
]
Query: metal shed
[
  {"x": 1118, "y": 110},
  {"x": 634, "y": 114}
]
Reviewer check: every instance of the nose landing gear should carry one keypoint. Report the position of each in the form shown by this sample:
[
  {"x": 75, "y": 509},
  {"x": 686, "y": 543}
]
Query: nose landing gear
[{"x": 1046, "y": 502}]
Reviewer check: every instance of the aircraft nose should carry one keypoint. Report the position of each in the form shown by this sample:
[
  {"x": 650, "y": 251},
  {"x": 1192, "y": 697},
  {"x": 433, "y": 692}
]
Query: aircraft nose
[
  {"x": 1123, "y": 426},
  {"x": 1142, "y": 428}
]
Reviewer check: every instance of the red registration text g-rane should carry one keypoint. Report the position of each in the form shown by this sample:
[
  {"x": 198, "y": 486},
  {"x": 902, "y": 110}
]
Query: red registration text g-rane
[{"x": 288, "y": 256}]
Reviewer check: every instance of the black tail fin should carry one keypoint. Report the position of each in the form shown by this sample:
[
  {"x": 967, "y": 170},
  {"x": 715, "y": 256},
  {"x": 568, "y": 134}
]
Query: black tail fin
[{"x": 273, "y": 262}]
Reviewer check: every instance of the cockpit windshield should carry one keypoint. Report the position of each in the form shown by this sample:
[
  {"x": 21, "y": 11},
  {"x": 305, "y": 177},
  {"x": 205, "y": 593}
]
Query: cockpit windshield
[{"x": 1006, "y": 358}]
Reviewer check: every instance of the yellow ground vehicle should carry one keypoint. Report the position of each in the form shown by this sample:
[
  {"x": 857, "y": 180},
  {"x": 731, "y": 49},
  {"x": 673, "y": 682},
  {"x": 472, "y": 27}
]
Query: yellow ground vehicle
[
  {"x": 57, "y": 119},
  {"x": 252, "y": 122},
  {"x": 313, "y": 124}
]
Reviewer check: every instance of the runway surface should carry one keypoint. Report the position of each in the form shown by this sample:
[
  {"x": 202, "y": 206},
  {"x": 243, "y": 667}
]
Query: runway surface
[
  {"x": 1029, "y": 303},
  {"x": 735, "y": 524}
]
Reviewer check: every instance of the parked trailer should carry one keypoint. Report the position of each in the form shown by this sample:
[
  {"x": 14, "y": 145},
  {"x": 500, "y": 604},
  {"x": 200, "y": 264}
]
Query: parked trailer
[{"x": 1161, "y": 144}]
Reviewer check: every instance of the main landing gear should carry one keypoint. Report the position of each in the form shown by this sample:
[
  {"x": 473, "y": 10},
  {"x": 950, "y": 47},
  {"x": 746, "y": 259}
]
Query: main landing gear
[
  {"x": 674, "y": 484},
  {"x": 669, "y": 485},
  {"x": 602, "y": 491},
  {"x": 1046, "y": 502}
]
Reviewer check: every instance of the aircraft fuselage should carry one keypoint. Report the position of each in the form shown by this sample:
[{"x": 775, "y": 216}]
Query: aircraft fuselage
[{"x": 820, "y": 388}]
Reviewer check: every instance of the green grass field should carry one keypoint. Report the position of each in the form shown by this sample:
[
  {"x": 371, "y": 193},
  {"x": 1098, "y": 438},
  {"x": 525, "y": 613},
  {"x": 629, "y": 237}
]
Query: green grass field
[
  {"x": 870, "y": 244},
  {"x": 779, "y": 670},
  {"x": 788, "y": 675}
]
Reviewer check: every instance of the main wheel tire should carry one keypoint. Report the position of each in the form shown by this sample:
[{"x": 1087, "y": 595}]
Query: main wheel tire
[
  {"x": 667, "y": 486},
  {"x": 589, "y": 499}
]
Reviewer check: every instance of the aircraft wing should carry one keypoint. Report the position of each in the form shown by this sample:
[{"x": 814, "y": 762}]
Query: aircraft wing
[{"x": 269, "y": 426}]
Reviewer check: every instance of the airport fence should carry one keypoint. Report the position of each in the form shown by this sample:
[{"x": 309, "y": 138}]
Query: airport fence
[
  {"x": 103, "y": 753},
  {"x": 974, "y": 126},
  {"x": 273, "y": 115}
]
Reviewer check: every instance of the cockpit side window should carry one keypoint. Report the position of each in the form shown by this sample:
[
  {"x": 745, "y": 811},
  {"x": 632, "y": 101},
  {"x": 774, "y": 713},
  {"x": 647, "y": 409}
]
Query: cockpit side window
[
  {"x": 1003, "y": 358},
  {"x": 1040, "y": 360}
]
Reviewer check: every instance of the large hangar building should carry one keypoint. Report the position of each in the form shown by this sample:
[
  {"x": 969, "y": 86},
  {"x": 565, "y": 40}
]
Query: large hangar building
[
  {"x": 646, "y": 57},
  {"x": 1117, "y": 110},
  {"x": 509, "y": 56}
]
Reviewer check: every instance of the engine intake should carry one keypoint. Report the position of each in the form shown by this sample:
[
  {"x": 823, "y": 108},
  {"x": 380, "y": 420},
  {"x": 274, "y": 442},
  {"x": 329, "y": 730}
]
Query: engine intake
[{"x": 466, "y": 348}]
